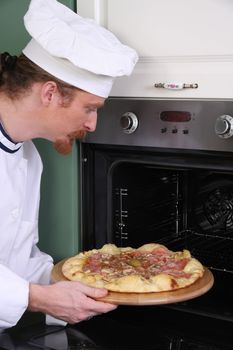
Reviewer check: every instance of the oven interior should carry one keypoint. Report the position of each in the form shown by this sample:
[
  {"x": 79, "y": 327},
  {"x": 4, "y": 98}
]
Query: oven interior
[
  {"x": 182, "y": 200},
  {"x": 179, "y": 207}
]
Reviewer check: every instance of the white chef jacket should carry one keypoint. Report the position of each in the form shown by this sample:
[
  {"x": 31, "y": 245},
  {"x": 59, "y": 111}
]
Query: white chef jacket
[{"x": 21, "y": 261}]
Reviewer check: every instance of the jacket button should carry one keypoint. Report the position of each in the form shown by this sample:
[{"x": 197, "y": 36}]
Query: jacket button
[{"x": 15, "y": 213}]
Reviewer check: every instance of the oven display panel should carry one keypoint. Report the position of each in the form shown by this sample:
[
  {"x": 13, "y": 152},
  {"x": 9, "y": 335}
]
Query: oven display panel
[{"x": 175, "y": 116}]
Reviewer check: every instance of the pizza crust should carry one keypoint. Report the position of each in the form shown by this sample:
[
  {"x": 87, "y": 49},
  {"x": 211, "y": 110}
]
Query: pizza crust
[
  {"x": 73, "y": 269},
  {"x": 149, "y": 247}
]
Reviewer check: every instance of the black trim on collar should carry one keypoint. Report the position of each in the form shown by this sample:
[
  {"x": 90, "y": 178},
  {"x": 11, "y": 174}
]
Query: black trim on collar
[
  {"x": 5, "y": 134},
  {"x": 4, "y": 148},
  {"x": 9, "y": 145}
]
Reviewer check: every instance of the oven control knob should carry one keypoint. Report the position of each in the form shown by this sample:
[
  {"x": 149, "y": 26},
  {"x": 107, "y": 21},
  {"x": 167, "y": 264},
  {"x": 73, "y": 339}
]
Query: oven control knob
[
  {"x": 224, "y": 126},
  {"x": 129, "y": 122}
]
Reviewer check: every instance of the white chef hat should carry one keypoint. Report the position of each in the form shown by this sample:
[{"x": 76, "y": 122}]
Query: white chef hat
[{"x": 74, "y": 49}]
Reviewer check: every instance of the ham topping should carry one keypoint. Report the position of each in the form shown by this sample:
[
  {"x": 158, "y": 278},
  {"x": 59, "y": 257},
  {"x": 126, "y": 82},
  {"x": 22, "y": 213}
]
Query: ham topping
[{"x": 146, "y": 264}]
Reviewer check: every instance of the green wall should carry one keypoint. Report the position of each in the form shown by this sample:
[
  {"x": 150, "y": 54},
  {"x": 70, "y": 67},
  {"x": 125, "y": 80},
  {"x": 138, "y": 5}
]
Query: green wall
[
  {"x": 59, "y": 212},
  {"x": 13, "y": 36},
  {"x": 59, "y": 224}
]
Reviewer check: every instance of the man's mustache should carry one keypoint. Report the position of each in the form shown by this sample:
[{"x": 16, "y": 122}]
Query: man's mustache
[{"x": 64, "y": 145}]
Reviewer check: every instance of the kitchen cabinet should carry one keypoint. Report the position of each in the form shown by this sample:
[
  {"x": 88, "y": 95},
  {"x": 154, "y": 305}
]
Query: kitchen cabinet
[
  {"x": 178, "y": 41},
  {"x": 59, "y": 223}
]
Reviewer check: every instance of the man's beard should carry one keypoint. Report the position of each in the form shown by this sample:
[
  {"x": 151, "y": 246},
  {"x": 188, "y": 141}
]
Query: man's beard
[{"x": 64, "y": 145}]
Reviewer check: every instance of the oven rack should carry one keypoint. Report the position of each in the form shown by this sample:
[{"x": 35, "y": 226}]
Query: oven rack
[{"x": 215, "y": 252}]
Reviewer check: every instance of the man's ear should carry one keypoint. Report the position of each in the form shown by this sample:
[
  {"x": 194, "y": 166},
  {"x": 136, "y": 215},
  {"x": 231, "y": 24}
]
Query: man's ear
[{"x": 49, "y": 92}]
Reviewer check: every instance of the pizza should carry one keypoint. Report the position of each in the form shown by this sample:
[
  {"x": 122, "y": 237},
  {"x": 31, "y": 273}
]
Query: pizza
[{"x": 149, "y": 268}]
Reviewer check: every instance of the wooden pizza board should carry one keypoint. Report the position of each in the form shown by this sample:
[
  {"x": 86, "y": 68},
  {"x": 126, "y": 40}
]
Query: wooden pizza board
[{"x": 198, "y": 288}]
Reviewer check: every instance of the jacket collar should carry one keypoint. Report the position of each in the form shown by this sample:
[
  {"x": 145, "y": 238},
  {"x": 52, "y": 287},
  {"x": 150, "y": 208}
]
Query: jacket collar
[{"x": 6, "y": 143}]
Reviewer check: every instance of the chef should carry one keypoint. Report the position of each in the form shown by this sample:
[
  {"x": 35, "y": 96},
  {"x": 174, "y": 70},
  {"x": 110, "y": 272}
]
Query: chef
[{"x": 52, "y": 91}]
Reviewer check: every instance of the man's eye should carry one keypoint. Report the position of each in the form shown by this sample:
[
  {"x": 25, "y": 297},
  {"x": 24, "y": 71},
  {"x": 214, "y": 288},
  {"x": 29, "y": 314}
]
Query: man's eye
[{"x": 91, "y": 110}]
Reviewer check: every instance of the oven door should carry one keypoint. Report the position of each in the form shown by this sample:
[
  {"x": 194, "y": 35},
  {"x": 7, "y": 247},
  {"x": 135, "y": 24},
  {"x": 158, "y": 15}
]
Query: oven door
[{"x": 183, "y": 199}]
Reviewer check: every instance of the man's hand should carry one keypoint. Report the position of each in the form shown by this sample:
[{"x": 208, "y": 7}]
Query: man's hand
[{"x": 69, "y": 301}]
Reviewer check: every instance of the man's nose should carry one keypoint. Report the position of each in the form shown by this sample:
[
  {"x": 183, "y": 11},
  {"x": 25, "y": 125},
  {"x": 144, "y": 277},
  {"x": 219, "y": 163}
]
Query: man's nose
[{"x": 90, "y": 124}]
